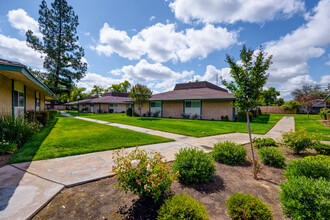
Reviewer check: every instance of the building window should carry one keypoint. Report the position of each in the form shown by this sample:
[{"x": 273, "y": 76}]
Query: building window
[
  {"x": 111, "y": 105},
  {"x": 37, "y": 101},
  {"x": 19, "y": 98},
  {"x": 188, "y": 104},
  {"x": 193, "y": 107}
]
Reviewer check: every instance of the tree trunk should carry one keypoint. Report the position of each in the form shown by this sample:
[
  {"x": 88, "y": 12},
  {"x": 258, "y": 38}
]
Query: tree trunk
[
  {"x": 140, "y": 112},
  {"x": 253, "y": 160}
]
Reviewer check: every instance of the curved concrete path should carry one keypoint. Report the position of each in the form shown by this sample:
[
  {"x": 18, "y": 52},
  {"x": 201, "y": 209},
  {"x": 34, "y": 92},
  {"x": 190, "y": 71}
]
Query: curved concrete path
[{"x": 26, "y": 187}]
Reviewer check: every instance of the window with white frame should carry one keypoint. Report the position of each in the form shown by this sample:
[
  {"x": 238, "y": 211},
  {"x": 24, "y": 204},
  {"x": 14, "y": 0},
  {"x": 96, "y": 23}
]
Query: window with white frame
[
  {"x": 193, "y": 107},
  {"x": 155, "y": 106},
  {"x": 37, "y": 101},
  {"x": 19, "y": 97}
]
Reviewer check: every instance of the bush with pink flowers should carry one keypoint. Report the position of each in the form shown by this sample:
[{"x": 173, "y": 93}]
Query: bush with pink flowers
[{"x": 144, "y": 174}]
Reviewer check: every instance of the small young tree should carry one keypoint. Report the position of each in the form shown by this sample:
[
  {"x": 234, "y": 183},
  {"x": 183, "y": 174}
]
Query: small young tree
[
  {"x": 249, "y": 78},
  {"x": 307, "y": 102},
  {"x": 139, "y": 95}
]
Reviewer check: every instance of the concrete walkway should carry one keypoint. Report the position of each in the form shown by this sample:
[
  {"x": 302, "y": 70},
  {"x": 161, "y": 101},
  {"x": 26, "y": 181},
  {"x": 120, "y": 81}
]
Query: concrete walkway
[{"x": 26, "y": 187}]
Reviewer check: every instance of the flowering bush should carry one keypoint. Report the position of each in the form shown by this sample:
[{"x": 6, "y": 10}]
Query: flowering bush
[{"x": 144, "y": 174}]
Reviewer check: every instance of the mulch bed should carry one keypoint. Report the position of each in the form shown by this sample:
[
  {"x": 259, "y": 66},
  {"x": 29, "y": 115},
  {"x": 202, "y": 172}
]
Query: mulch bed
[
  {"x": 4, "y": 159},
  {"x": 101, "y": 200}
]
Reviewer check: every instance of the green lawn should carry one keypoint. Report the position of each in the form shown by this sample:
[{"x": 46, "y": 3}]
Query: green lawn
[
  {"x": 312, "y": 125},
  {"x": 68, "y": 136},
  {"x": 195, "y": 128}
]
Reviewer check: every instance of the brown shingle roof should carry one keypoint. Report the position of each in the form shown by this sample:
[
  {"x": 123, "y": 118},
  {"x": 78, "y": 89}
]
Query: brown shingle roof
[
  {"x": 198, "y": 85},
  {"x": 190, "y": 94},
  {"x": 11, "y": 63}
]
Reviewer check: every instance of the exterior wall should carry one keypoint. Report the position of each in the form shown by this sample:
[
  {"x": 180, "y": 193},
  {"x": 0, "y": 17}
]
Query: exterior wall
[
  {"x": 172, "y": 109},
  {"x": 30, "y": 99},
  {"x": 42, "y": 102},
  {"x": 105, "y": 108},
  {"x": 120, "y": 108},
  {"x": 214, "y": 109},
  {"x": 276, "y": 109},
  {"x": 144, "y": 110},
  {"x": 5, "y": 95}
]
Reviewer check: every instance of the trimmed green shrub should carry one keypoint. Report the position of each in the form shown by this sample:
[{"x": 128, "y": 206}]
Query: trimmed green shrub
[
  {"x": 52, "y": 114},
  {"x": 264, "y": 142},
  {"x": 111, "y": 110},
  {"x": 99, "y": 111},
  {"x": 298, "y": 141},
  {"x": 322, "y": 148},
  {"x": 142, "y": 173},
  {"x": 224, "y": 118},
  {"x": 306, "y": 198},
  {"x": 194, "y": 166},
  {"x": 241, "y": 117},
  {"x": 30, "y": 116},
  {"x": 271, "y": 156},
  {"x": 182, "y": 207},
  {"x": 42, "y": 117},
  {"x": 229, "y": 153},
  {"x": 324, "y": 112},
  {"x": 156, "y": 114},
  {"x": 312, "y": 167},
  {"x": 248, "y": 207},
  {"x": 129, "y": 112},
  {"x": 17, "y": 130},
  {"x": 7, "y": 147}
]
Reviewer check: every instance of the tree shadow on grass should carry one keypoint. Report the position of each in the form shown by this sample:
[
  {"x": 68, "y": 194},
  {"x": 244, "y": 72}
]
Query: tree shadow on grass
[
  {"x": 29, "y": 150},
  {"x": 262, "y": 119},
  {"x": 143, "y": 208},
  {"x": 149, "y": 119}
]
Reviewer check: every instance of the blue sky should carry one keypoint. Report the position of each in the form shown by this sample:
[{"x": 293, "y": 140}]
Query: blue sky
[{"x": 159, "y": 43}]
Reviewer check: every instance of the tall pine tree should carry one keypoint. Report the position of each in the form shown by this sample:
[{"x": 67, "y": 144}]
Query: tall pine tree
[{"x": 62, "y": 54}]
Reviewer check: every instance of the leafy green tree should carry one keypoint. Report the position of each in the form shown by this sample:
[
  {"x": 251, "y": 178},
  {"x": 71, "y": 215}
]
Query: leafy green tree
[
  {"x": 279, "y": 101},
  {"x": 249, "y": 78},
  {"x": 59, "y": 46},
  {"x": 290, "y": 105},
  {"x": 269, "y": 97},
  {"x": 139, "y": 95},
  {"x": 121, "y": 87},
  {"x": 314, "y": 90},
  {"x": 307, "y": 102},
  {"x": 97, "y": 91}
]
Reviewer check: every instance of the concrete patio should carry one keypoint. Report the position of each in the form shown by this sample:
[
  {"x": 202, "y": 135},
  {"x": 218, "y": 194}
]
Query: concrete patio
[{"x": 25, "y": 188}]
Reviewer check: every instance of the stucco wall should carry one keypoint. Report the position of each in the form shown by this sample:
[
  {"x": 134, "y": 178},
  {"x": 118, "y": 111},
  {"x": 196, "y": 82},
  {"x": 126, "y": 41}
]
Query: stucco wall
[
  {"x": 144, "y": 110},
  {"x": 5, "y": 95},
  {"x": 120, "y": 108},
  {"x": 30, "y": 99},
  {"x": 214, "y": 109},
  {"x": 172, "y": 109},
  {"x": 42, "y": 102},
  {"x": 104, "y": 108}
]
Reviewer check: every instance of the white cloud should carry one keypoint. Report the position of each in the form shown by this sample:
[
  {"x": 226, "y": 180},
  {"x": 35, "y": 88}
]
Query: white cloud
[
  {"x": 161, "y": 42},
  {"x": 92, "y": 79},
  {"x": 20, "y": 20},
  {"x": 325, "y": 79},
  {"x": 212, "y": 73},
  {"x": 328, "y": 62},
  {"x": 225, "y": 11},
  {"x": 152, "y": 18},
  {"x": 12, "y": 48},
  {"x": 84, "y": 60},
  {"x": 291, "y": 52},
  {"x": 156, "y": 75}
]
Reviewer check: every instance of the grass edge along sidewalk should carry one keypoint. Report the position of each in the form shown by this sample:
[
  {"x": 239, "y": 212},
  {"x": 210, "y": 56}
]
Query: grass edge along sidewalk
[{"x": 69, "y": 136}]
